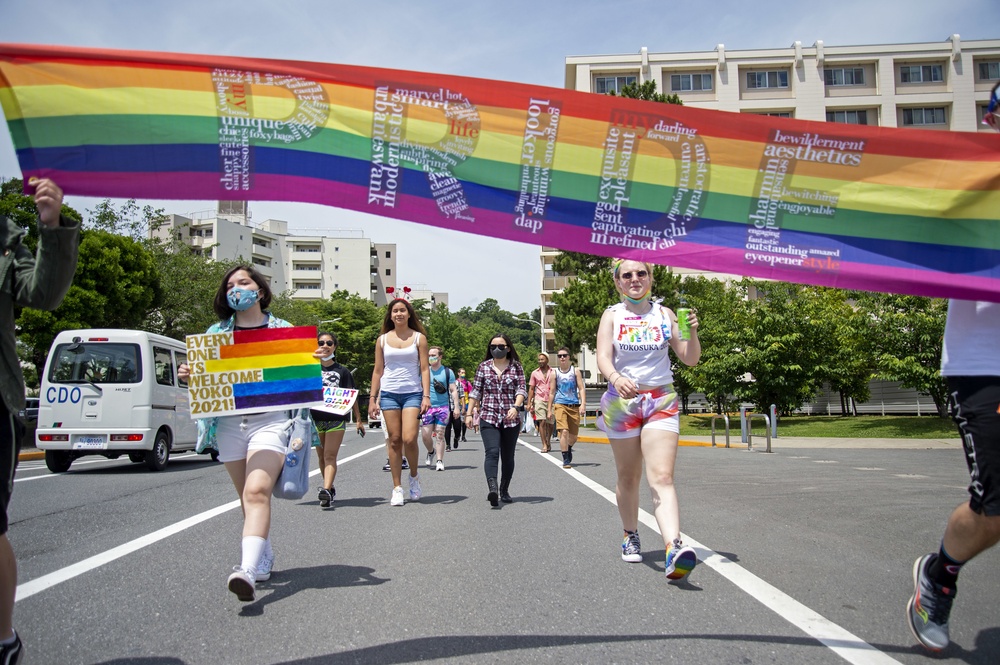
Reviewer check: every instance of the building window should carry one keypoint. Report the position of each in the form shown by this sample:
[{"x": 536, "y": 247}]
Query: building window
[
  {"x": 336, "y": 267},
  {"x": 681, "y": 82},
  {"x": 208, "y": 233},
  {"x": 858, "y": 117},
  {"x": 336, "y": 286},
  {"x": 336, "y": 249},
  {"x": 774, "y": 79},
  {"x": 773, "y": 114},
  {"x": 920, "y": 74},
  {"x": 388, "y": 272},
  {"x": 605, "y": 84},
  {"x": 261, "y": 262},
  {"x": 844, "y": 76},
  {"x": 925, "y": 116},
  {"x": 989, "y": 71},
  {"x": 388, "y": 254}
]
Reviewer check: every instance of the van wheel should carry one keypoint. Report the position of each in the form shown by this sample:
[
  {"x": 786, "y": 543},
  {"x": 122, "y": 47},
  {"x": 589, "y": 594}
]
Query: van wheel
[
  {"x": 137, "y": 457},
  {"x": 156, "y": 459},
  {"x": 58, "y": 461}
]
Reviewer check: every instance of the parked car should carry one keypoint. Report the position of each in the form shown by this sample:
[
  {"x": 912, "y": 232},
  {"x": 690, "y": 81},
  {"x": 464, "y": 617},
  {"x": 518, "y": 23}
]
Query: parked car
[{"x": 29, "y": 416}]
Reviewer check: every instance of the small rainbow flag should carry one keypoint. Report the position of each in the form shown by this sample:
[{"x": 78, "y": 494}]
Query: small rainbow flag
[
  {"x": 877, "y": 208},
  {"x": 253, "y": 370}
]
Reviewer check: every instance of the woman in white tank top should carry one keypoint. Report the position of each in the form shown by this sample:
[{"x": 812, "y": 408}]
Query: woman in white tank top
[
  {"x": 639, "y": 410},
  {"x": 401, "y": 391}
]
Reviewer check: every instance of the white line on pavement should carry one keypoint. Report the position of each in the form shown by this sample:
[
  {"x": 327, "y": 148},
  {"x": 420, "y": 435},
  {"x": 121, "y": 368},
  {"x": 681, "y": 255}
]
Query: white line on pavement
[
  {"x": 845, "y": 644},
  {"x": 44, "y": 582},
  {"x": 21, "y": 467}
]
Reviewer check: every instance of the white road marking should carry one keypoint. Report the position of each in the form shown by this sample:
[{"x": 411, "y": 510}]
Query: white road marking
[
  {"x": 845, "y": 644},
  {"x": 29, "y": 589}
]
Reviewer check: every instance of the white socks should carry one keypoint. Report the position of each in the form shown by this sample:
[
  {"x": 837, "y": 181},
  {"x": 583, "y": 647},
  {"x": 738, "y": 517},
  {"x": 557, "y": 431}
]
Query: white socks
[{"x": 252, "y": 548}]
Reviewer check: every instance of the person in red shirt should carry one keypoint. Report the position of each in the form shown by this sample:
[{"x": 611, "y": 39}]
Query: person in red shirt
[{"x": 538, "y": 400}]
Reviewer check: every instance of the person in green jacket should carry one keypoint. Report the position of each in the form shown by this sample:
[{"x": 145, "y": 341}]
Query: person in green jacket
[{"x": 39, "y": 281}]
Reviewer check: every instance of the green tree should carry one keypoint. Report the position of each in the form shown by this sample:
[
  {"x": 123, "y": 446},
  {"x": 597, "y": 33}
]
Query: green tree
[
  {"x": 356, "y": 322},
  {"x": 647, "y": 91},
  {"x": 906, "y": 333},
  {"x": 115, "y": 286}
]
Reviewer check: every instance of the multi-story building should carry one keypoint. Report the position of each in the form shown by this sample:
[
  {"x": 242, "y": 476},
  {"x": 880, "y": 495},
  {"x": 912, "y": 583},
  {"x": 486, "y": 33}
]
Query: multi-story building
[
  {"x": 938, "y": 85},
  {"x": 312, "y": 266}
]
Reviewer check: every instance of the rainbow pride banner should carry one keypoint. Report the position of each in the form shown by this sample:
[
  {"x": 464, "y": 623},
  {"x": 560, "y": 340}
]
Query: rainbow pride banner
[
  {"x": 896, "y": 210},
  {"x": 247, "y": 371}
]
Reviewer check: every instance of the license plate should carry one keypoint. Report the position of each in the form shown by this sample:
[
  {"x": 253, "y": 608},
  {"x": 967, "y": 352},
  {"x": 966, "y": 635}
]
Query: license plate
[{"x": 90, "y": 443}]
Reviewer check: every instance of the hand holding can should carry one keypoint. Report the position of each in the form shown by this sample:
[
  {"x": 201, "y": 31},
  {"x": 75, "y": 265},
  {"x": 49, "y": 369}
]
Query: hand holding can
[{"x": 684, "y": 323}]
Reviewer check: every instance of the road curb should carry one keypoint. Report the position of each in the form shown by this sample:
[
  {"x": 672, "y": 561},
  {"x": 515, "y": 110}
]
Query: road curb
[{"x": 35, "y": 454}]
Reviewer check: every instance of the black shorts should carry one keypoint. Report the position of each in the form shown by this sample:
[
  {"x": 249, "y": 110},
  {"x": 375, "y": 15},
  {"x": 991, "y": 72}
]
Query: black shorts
[
  {"x": 11, "y": 433},
  {"x": 974, "y": 402}
]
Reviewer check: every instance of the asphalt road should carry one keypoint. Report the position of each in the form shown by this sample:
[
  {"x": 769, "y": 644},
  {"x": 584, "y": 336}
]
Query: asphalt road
[{"x": 806, "y": 557}]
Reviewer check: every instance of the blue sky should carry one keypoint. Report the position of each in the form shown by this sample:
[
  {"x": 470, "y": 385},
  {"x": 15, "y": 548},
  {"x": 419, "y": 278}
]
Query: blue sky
[{"x": 514, "y": 41}]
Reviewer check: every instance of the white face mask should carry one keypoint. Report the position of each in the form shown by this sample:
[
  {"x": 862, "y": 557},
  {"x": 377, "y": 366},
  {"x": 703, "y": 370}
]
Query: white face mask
[{"x": 329, "y": 357}]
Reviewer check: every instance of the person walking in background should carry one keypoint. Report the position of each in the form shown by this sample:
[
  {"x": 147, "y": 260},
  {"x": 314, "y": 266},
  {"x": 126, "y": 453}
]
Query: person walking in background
[
  {"x": 569, "y": 402},
  {"x": 401, "y": 391},
  {"x": 540, "y": 402},
  {"x": 444, "y": 406},
  {"x": 38, "y": 280},
  {"x": 464, "y": 388},
  {"x": 330, "y": 426},
  {"x": 498, "y": 394},
  {"x": 639, "y": 409},
  {"x": 251, "y": 445},
  {"x": 970, "y": 362}
]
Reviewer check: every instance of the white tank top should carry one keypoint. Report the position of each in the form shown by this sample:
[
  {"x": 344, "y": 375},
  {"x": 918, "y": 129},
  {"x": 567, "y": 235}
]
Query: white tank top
[
  {"x": 641, "y": 345},
  {"x": 402, "y": 367},
  {"x": 970, "y": 339}
]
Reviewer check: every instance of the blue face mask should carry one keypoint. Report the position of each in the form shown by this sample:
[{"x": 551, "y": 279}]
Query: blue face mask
[{"x": 241, "y": 299}]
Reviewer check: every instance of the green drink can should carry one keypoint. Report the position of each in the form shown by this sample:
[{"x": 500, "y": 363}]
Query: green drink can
[{"x": 683, "y": 323}]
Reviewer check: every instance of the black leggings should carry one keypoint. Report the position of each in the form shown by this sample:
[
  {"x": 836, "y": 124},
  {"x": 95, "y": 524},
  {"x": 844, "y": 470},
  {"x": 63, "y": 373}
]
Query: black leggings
[
  {"x": 500, "y": 444},
  {"x": 459, "y": 425}
]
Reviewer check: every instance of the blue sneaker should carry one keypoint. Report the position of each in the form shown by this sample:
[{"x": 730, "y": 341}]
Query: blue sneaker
[
  {"x": 929, "y": 607},
  {"x": 680, "y": 561}
]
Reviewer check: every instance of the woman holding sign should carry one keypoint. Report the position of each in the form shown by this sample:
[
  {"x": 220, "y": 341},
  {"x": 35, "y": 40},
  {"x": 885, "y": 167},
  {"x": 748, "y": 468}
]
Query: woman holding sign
[
  {"x": 401, "y": 391},
  {"x": 251, "y": 445},
  {"x": 640, "y": 414},
  {"x": 331, "y": 426}
]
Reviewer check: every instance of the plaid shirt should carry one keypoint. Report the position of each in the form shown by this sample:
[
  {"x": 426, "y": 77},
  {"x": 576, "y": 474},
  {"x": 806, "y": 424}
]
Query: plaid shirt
[{"x": 496, "y": 394}]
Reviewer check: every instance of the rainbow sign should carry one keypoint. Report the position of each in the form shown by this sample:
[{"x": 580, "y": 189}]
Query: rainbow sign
[
  {"x": 897, "y": 210},
  {"x": 249, "y": 371}
]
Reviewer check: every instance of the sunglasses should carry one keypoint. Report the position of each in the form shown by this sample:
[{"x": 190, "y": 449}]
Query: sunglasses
[
  {"x": 641, "y": 274},
  {"x": 328, "y": 342},
  {"x": 562, "y": 355},
  {"x": 498, "y": 347}
]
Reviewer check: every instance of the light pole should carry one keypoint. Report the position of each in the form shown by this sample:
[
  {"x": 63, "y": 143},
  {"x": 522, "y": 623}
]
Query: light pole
[
  {"x": 541, "y": 332},
  {"x": 328, "y": 321}
]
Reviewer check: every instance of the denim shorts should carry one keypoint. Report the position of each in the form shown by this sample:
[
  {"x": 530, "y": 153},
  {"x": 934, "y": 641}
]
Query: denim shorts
[{"x": 399, "y": 401}]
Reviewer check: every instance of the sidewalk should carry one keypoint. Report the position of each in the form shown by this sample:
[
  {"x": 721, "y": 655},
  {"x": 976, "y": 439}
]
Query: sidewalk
[{"x": 760, "y": 442}]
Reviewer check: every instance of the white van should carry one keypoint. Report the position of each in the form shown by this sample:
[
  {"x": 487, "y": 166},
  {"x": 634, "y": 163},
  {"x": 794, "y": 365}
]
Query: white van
[{"x": 113, "y": 392}]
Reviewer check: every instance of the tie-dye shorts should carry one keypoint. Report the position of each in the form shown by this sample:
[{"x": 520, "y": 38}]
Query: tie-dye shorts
[{"x": 651, "y": 409}]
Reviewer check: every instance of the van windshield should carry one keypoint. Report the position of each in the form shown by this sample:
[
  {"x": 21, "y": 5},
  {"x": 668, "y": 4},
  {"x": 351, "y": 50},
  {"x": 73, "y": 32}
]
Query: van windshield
[{"x": 96, "y": 362}]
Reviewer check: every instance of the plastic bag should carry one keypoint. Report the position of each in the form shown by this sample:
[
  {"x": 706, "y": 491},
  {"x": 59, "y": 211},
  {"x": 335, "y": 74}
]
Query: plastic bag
[{"x": 293, "y": 483}]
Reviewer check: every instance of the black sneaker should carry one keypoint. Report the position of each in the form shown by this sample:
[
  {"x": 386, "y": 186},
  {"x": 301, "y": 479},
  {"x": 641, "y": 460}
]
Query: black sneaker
[
  {"x": 406, "y": 465},
  {"x": 10, "y": 654},
  {"x": 929, "y": 607},
  {"x": 324, "y": 498},
  {"x": 388, "y": 467}
]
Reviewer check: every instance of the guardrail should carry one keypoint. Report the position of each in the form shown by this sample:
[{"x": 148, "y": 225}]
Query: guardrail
[
  {"x": 726, "y": 418},
  {"x": 767, "y": 430}
]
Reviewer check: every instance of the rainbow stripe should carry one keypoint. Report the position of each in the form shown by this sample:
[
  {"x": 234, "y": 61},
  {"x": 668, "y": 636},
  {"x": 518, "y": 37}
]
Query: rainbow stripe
[{"x": 884, "y": 209}]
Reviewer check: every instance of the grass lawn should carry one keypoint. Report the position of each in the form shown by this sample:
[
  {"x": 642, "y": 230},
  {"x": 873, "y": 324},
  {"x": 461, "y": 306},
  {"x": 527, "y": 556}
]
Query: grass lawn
[{"x": 870, "y": 427}]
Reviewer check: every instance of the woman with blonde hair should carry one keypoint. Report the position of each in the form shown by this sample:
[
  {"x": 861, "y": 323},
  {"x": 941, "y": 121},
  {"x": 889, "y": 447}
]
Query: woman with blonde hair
[{"x": 639, "y": 409}]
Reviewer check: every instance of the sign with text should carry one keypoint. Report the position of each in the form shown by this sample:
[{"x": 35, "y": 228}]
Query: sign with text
[
  {"x": 249, "y": 371},
  {"x": 338, "y": 401}
]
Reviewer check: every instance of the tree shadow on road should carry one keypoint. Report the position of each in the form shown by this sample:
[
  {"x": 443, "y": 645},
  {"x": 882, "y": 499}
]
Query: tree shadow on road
[{"x": 287, "y": 582}]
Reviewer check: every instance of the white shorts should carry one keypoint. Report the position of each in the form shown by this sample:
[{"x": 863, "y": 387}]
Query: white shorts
[{"x": 263, "y": 431}]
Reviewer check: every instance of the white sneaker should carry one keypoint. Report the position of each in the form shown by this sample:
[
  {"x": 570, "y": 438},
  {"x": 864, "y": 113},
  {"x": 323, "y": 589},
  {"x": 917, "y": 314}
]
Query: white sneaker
[
  {"x": 430, "y": 459},
  {"x": 241, "y": 582},
  {"x": 415, "y": 488},
  {"x": 397, "y": 496},
  {"x": 264, "y": 566},
  {"x": 439, "y": 466}
]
